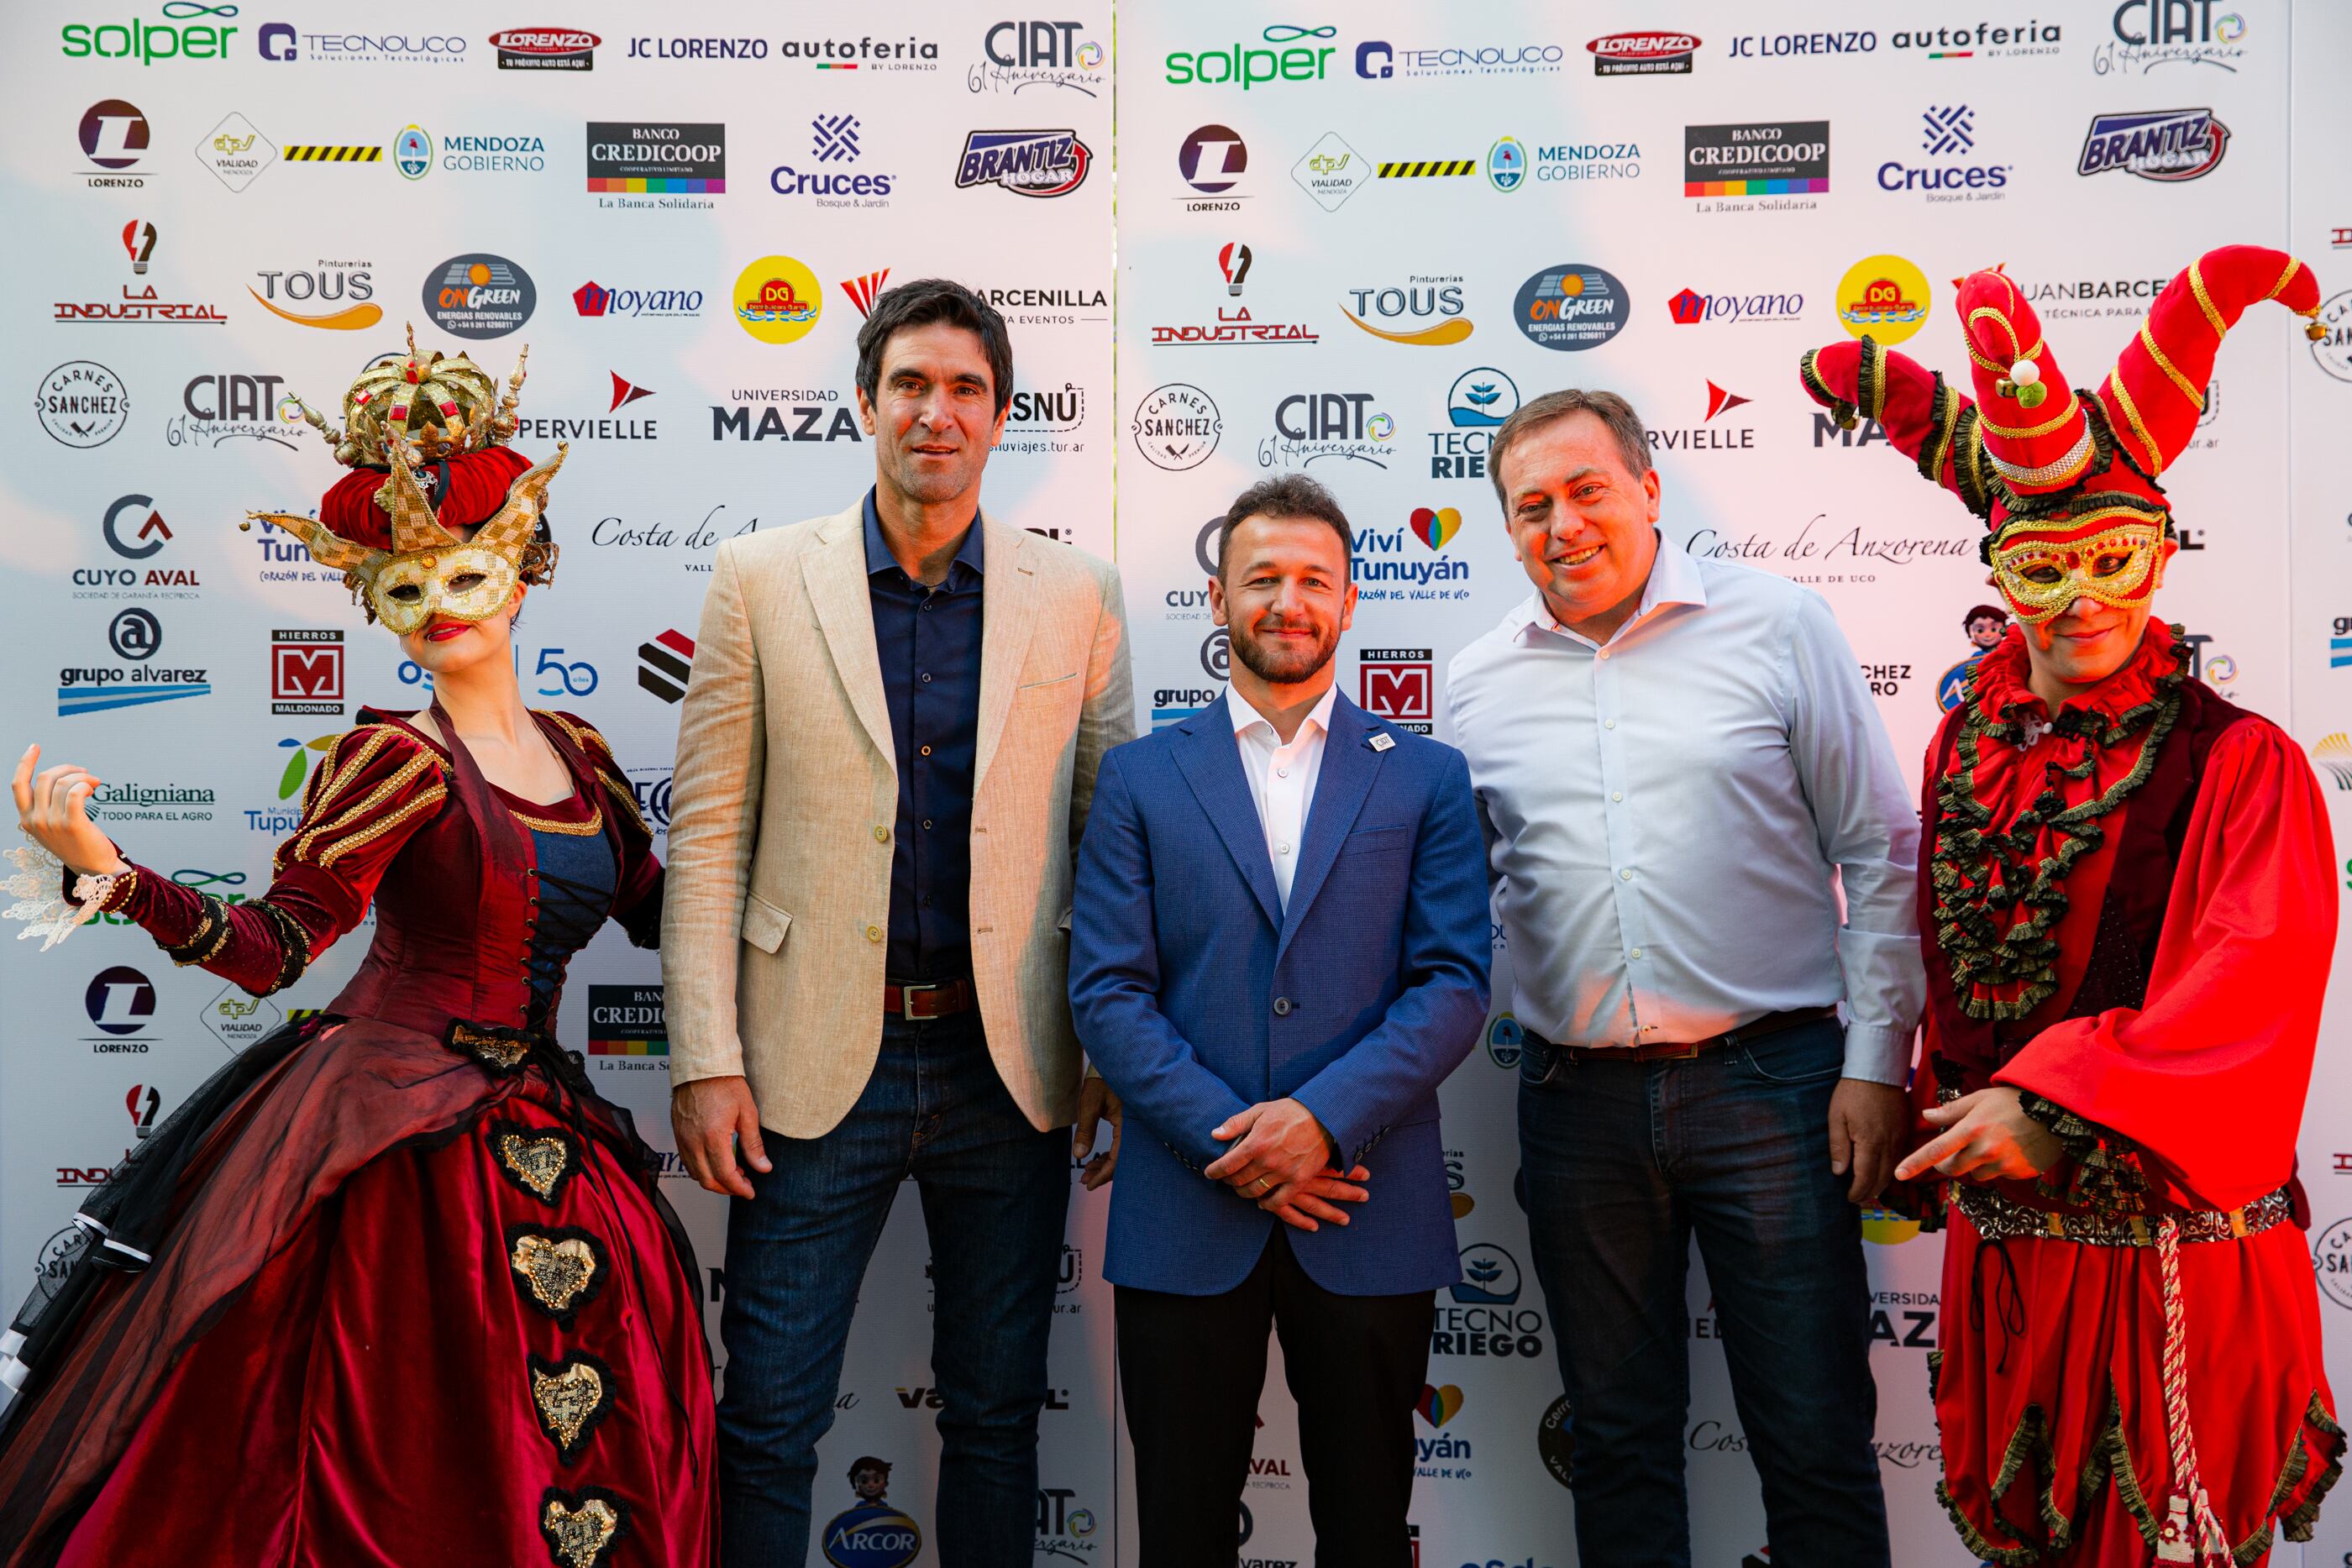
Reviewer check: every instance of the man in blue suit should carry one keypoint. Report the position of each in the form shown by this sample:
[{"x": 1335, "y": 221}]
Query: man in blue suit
[{"x": 1278, "y": 950}]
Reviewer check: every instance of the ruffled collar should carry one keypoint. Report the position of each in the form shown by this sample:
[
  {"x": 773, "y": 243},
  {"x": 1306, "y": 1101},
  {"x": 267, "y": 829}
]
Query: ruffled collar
[{"x": 2005, "y": 707}]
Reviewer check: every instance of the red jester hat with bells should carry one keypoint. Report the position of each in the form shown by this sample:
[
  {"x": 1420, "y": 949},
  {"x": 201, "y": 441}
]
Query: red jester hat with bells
[{"x": 2065, "y": 481}]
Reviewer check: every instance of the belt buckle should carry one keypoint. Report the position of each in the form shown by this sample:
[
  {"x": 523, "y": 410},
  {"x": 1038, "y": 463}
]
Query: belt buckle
[
  {"x": 1682, "y": 1051},
  {"x": 907, "y": 998}
]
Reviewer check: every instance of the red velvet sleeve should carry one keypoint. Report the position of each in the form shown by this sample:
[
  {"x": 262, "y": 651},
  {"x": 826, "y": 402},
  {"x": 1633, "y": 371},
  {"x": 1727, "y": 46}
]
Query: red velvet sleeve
[
  {"x": 638, "y": 899},
  {"x": 2208, "y": 1078},
  {"x": 375, "y": 787}
]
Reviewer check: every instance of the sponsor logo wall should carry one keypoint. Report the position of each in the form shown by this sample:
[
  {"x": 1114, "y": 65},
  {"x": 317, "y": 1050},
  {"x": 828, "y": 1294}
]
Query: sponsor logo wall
[
  {"x": 684, "y": 219},
  {"x": 1352, "y": 243}
]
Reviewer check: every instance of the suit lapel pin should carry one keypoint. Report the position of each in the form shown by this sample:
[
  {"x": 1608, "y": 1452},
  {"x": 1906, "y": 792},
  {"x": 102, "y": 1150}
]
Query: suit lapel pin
[{"x": 1382, "y": 741}]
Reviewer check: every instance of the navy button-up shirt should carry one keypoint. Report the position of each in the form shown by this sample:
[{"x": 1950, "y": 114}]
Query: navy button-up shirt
[{"x": 928, "y": 640}]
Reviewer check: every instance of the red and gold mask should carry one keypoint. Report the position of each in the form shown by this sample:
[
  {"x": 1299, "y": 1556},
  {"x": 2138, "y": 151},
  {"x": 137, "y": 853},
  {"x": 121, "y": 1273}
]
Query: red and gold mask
[{"x": 2110, "y": 554}]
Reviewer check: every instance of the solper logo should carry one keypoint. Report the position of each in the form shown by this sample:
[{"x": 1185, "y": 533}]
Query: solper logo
[
  {"x": 777, "y": 299},
  {"x": 1884, "y": 296},
  {"x": 1291, "y": 54},
  {"x": 185, "y": 34}
]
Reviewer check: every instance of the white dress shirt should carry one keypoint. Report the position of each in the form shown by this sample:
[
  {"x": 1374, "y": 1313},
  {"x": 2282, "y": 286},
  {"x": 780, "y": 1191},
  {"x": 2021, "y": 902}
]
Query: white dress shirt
[
  {"x": 1668, "y": 814},
  {"x": 1281, "y": 778}
]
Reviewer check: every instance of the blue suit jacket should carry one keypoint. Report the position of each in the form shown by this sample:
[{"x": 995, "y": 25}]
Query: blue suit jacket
[{"x": 1197, "y": 996}]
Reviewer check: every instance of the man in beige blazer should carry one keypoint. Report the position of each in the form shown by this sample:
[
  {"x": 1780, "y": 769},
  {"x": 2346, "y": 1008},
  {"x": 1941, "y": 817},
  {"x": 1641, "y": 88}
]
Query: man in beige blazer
[{"x": 888, "y": 747}]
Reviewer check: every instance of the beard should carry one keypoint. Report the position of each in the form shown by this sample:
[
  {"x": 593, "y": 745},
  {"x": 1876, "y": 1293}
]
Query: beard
[{"x": 1279, "y": 666}]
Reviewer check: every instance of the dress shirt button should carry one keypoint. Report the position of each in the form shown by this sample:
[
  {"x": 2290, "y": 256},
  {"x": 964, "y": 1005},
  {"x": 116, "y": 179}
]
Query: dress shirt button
[
  {"x": 1604, "y": 652},
  {"x": 1605, "y": 724},
  {"x": 927, "y": 677},
  {"x": 1278, "y": 848},
  {"x": 1282, "y": 1007},
  {"x": 881, "y": 834},
  {"x": 926, "y": 824},
  {"x": 1616, "y": 794},
  {"x": 874, "y": 934},
  {"x": 1636, "y": 953},
  {"x": 927, "y": 751},
  {"x": 1625, "y": 876},
  {"x": 1282, "y": 772}
]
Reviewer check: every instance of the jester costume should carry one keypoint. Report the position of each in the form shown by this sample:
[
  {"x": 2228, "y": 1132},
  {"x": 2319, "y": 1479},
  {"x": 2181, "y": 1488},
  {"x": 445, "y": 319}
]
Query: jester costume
[
  {"x": 395, "y": 1287},
  {"x": 2133, "y": 911}
]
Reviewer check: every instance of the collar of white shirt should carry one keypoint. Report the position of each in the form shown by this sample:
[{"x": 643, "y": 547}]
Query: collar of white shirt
[
  {"x": 1673, "y": 579},
  {"x": 1245, "y": 718}
]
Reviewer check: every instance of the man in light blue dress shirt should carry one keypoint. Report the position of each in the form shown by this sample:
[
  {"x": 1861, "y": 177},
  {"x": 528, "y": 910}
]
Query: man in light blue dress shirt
[{"x": 1677, "y": 765}]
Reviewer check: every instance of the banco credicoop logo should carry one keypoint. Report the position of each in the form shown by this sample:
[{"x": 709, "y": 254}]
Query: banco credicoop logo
[{"x": 1570, "y": 307}]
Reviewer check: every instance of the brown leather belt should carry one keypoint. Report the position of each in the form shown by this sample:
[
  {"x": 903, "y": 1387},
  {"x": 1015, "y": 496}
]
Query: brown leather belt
[
  {"x": 928, "y": 998},
  {"x": 1681, "y": 1050}
]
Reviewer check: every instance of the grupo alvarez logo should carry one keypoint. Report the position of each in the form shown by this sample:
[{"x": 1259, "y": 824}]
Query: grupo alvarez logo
[
  {"x": 479, "y": 295},
  {"x": 1176, "y": 427},
  {"x": 1572, "y": 307},
  {"x": 82, "y": 404}
]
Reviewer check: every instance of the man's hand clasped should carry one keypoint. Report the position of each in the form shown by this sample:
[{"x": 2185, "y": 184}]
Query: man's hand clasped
[{"x": 1285, "y": 1162}]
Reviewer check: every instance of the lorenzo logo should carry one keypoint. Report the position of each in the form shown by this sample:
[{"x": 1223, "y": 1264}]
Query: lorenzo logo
[
  {"x": 1642, "y": 54},
  {"x": 545, "y": 49}
]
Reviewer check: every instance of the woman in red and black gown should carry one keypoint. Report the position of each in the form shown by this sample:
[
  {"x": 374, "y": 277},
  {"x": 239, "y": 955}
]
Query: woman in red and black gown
[{"x": 395, "y": 1287}]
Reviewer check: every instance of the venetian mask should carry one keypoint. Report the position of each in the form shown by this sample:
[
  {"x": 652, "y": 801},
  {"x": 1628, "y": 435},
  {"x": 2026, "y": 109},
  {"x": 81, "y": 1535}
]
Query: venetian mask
[{"x": 2108, "y": 554}]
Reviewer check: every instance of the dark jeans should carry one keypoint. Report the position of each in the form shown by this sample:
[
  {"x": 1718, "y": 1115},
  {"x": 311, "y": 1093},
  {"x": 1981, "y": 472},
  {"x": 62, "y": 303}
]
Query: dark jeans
[
  {"x": 1623, "y": 1161},
  {"x": 1191, "y": 1369},
  {"x": 994, "y": 1192}
]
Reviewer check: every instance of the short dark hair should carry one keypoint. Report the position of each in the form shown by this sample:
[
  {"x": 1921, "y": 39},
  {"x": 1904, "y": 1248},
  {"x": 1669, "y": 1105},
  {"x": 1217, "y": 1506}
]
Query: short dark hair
[
  {"x": 1287, "y": 496},
  {"x": 1624, "y": 424},
  {"x": 920, "y": 303},
  {"x": 857, "y": 1466},
  {"x": 1984, "y": 611}
]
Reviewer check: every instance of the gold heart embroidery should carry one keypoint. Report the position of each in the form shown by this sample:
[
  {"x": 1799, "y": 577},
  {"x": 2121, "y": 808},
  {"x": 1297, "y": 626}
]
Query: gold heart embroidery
[
  {"x": 571, "y": 1396},
  {"x": 540, "y": 1162},
  {"x": 561, "y": 1272},
  {"x": 580, "y": 1529}
]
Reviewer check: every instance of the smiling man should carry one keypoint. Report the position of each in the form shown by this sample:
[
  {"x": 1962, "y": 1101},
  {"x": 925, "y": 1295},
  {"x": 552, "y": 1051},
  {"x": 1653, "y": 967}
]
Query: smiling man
[
  {"x": 1280, "y": 951},
  {"x": 1676, "y": 763},
  {"x": 888, "y": 747},
  {"x": 2129, "y": 887}
]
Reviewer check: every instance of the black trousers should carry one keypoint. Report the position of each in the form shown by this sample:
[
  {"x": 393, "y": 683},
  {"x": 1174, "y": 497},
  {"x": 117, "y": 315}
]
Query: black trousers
[{"x": 1191, "y": 1369}]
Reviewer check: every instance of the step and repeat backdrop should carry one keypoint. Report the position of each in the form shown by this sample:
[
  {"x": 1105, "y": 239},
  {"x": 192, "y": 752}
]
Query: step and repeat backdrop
[{"x": 1351, "y": 240}]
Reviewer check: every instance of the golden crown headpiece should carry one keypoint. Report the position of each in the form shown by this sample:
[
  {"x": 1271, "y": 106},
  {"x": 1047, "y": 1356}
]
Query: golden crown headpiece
[{"x": 437, "y": 405}]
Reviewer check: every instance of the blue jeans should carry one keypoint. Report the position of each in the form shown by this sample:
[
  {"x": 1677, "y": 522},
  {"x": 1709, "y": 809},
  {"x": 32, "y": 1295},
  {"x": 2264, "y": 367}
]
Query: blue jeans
[
  {"x": 995, "y": 1192},
  {"x": 1624, "y": 1161}
]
